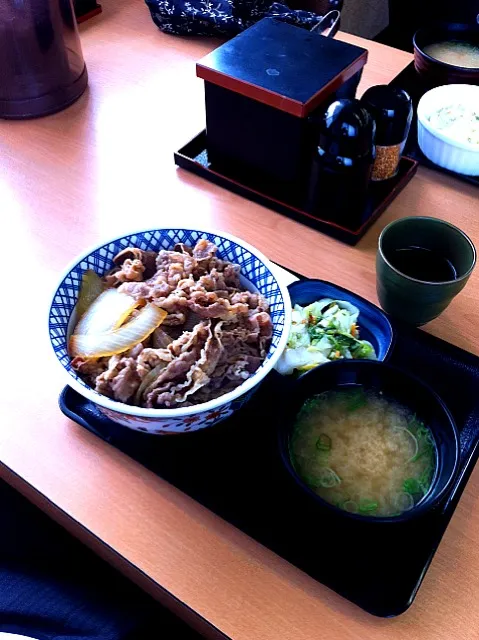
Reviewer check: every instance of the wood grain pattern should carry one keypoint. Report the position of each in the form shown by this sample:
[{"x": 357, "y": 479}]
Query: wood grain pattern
[{"x": 103, "y": 167}]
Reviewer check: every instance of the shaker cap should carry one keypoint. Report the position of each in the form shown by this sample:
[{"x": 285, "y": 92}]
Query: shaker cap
[
  {"x": 347, "y": 129},
  {"x": 391, "y": 108}
]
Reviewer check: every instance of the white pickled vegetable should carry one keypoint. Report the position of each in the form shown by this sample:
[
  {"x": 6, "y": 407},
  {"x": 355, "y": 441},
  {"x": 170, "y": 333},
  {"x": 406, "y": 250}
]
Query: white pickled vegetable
[
  {"x": 110, "y": 309},
  {"x": 100, "y": 345}
]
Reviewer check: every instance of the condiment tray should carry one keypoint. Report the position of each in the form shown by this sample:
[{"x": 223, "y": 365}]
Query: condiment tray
[{"x": 194, "y": 157}]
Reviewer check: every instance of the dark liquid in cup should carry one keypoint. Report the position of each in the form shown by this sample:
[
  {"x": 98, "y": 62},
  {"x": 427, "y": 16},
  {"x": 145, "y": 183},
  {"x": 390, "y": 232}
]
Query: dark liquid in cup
[{"x": 423, "y": 264}]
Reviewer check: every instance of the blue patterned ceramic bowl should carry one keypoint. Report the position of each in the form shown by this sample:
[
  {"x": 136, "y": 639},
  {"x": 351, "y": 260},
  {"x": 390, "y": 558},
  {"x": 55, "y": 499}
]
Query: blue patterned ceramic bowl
[{"x": 255, "y": 268}]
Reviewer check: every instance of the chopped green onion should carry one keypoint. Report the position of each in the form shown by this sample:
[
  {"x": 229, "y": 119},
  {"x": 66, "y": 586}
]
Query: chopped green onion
[
  {"x": 350, "y": 506},
  {"x": 368, "y": 506},
  {"x": 310, "y": 481},
  {"x": 323, "y": 443},
  {"x": 424, "y": 438},
  {"x": 404, "y": 502},
  {"x": 328, "y": 478},
  {"x": 356, "y": 400},
  {"x": 425, "y": 478},
  {"x": 311, "y": 404},
  {"x": 414, "y": 439},
  {"x": 412, "y": 486}
]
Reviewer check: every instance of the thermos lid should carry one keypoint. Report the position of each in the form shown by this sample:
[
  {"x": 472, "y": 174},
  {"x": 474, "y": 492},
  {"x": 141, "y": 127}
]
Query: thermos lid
[
  {"x": 347, "y": 130},
  {"x": 282, "y": 65},
  {"x": 391, "y": 109}
]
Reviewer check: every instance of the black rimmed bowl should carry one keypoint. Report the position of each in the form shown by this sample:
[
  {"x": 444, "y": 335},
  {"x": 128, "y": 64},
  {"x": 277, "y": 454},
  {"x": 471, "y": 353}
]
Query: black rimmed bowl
[
  {"x": 433, "y": 72},
  {"x": 373, "y": 323},
  {"x": 397, "y": 385}
]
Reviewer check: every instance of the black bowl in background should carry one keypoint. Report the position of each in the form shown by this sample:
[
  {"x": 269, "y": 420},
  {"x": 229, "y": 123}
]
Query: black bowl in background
[
  {"x": 435, "y": 73},
  {"x": 397, "y": 385}
]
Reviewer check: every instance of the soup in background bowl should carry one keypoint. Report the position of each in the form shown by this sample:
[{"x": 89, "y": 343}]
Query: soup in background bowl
[
  {"x": 456, "y": 52},
  {"x": 369, "y": 441},
  {"x": 447, "y": 54}
]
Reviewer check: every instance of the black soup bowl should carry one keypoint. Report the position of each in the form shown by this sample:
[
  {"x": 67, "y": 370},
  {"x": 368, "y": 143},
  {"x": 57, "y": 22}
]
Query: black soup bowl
[
  {"x": 435, "y": 73},
  {"x": 397, "y": 385}
]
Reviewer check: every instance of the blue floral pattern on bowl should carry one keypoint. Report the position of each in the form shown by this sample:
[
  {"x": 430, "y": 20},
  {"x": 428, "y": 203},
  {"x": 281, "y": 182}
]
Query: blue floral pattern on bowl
[{"x": 254, "y": 267}]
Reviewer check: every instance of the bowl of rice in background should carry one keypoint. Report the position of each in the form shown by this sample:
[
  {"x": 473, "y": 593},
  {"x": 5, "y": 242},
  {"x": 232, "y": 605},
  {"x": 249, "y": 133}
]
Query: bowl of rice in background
[{"x": 179, "y": 411}]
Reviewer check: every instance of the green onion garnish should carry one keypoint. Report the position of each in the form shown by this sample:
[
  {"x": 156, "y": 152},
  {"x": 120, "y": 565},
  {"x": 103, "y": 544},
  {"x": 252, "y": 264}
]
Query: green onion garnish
[
  {"x": 404, "y": 502},
  {"x": 412, "y": 486},
  {"x": 356, "y": 400},
  {"x": 323, "y": 443},
  {"x": 328, "y": 478},
  {"x": 350, "y": 505},
  {"x": 425, "y": 478},
  {"x": 367, "y": 506}
]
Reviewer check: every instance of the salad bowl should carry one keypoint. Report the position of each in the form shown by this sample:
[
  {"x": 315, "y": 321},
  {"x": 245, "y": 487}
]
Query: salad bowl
[{"x": 364, "y": 330}]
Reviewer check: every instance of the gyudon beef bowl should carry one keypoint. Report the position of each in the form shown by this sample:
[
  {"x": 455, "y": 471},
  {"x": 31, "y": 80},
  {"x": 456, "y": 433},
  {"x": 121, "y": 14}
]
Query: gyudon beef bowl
[{"x": 169, "y": 330}]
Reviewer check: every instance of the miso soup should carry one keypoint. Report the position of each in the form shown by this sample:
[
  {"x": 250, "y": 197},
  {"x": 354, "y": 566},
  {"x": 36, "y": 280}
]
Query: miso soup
[
  {"x": 455, "y": 52},
  {"x": 363, "y": 452}
]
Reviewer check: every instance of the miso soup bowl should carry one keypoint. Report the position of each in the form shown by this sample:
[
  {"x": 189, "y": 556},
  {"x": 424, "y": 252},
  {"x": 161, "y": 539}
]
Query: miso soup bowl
[
  {"x": 397, "y": 385},
  {"x": 433, "y": 72}
]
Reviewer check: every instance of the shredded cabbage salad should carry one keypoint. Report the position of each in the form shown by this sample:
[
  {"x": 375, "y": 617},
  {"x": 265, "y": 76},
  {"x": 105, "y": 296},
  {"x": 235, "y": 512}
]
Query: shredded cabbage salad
[{"x": 323, "y": 331}]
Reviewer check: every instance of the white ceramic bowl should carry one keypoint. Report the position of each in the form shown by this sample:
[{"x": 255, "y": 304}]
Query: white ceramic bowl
[
  {"x": 461, "y": 157},
  {"x": 257, "y": 274}
]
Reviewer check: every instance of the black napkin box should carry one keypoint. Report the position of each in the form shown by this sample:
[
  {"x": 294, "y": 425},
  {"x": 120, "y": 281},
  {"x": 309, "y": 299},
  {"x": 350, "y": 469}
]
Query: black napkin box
[{"x": 265, "y": 91}]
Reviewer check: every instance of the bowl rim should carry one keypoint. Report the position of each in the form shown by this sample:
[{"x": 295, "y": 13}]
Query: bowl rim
[
  {"x": 421, "y": 116},
  {"x": 143, "y": 412},
  {"x": 430, "y": 220},
  {"x": 441, "y": 63},
  {"x": 424, "y": 504}
]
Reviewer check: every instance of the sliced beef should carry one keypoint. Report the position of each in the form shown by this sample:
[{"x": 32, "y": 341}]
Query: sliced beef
[
  {"x": 215, "y": 335},
  {"x": 132, "y": 265}
]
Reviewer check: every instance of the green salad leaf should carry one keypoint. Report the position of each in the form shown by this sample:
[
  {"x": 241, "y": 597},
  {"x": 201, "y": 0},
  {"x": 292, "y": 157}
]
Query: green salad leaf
[{"x": 324, "y": 330}]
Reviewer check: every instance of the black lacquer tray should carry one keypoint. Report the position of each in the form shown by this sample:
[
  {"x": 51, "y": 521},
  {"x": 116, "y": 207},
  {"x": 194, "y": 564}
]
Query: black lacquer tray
[
  {"x": 409, "y": 80},
  {"x": 235, "y": 469},
  {"x": 194, "y": 157},
  {"x": 85, "y": 9}
]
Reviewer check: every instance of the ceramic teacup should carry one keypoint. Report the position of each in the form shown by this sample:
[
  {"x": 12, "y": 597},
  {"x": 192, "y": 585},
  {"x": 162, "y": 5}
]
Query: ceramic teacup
[{"x": 412, "y": 299}]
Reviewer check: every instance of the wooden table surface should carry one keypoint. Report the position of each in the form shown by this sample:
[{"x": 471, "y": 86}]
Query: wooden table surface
[{"x": 105, "y": 166}]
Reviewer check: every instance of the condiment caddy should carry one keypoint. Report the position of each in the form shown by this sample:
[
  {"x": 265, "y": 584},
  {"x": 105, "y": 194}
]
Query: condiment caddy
[{"x": 284, "y": 129}]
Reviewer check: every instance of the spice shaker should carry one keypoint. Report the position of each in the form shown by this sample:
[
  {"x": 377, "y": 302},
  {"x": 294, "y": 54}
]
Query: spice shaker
[
  {"x": 342, "y": 164},
  {"x": 392, "y": 110}
]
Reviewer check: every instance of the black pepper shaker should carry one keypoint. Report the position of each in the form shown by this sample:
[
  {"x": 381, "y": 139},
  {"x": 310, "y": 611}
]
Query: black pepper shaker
[
  {"x": 342, "y": 165},
  {"x": 392, "y": 110}
]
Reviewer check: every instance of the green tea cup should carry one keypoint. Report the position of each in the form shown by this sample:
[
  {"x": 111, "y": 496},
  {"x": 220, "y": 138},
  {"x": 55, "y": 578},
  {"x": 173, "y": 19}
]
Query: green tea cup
[{"x": 411, "y": 298}]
